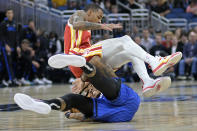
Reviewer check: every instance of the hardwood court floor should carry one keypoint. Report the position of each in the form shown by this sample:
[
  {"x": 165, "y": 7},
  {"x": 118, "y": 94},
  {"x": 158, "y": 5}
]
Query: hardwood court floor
[{"x": 175, "y": 109}]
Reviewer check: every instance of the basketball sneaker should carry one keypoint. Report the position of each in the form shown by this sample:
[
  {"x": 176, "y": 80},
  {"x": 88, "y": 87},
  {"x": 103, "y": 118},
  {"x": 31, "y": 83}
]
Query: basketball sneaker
[
  {"x": 27, "y": 103},
  {"x": 156, "y": 86},
  {"x": 163, "y": 63},
  {"x": 62, "y": 60}
]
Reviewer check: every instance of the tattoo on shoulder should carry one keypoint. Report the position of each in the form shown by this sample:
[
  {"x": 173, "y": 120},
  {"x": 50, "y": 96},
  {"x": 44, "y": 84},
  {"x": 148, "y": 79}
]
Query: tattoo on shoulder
[
  {"x": 78, "y": 16},
  {"x": 78, "y": 22}
]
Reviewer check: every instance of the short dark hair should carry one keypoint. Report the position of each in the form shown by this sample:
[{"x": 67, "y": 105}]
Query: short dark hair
[
  {"x": 25, "y": 41},
  {"x": 93, "y": 7},
  {"x": 30, "y": 20},
  {"x": 8, "y": 9}
]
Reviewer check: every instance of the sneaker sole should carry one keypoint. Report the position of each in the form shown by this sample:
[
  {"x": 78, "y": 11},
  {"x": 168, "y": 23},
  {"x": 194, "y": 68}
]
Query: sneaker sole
[
  {"x": 61, "y": 60},
  {"x": 28, "y": 103},
  {"x": 170, "y": 62},
  {"x": 162, "y": 84}
]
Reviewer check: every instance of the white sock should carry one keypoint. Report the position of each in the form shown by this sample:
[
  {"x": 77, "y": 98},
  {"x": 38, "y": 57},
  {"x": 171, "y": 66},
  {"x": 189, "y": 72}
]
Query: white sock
[{"x": 140, "y": 68}]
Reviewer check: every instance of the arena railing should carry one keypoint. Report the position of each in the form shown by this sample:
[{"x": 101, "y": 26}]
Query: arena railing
[
  {"x": 177, "y": 23},
  {"x": 139, "y": 17},
  {"x": 165, "y": 24},
  {"x": 156, "y": 20},
  {"x": 50, "y": 19},
  {"x": 27, "y": 11},
  {"x": 192, "y": 25}
]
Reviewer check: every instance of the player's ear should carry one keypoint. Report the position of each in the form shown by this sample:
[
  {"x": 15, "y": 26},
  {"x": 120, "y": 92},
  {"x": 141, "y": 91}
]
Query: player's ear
[{"x": 89, "y": 12}]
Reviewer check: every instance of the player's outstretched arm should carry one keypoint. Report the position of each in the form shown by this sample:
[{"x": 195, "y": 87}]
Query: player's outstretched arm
[
  {"x": 84, "y": 25},
  {"x": 79, "y": 23}
]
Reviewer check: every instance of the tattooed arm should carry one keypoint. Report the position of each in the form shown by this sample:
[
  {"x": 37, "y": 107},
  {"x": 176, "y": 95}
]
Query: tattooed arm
[{"x": 79, "y": 23}]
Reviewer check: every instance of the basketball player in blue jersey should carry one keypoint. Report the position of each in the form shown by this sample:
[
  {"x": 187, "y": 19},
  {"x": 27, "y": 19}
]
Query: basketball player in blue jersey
[{"x": 119, "y": 103}]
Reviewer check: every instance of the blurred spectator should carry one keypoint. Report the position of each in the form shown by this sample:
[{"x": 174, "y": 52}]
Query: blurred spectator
[
  {"x": 135, "y": 32},
  {"x": 190, "y": 56},
  {"x": 29, "y": 32},
  {"x": 158, "y": 49},
  {"x": 108, "y": 7},
  {"x": 43, "y": 39},
  {"x": 24, "y": 62},
  {"x": 151, "y": 31},
  {"x": 54, "y": 45},
  {"x": 192, "y": 8},
  {"x": 41, "y": 59},
  {"x": 160, "y": 6},
  {"x": 99, "y": 2},
  {"x": 10, "y": 47},
  {"x": 180, "y": 4},
  {"x": 138, "y": 41},
  {"x": 114, "y": 9},
  {"x": 106, "y": 36},
  {"x": 58, "y": 3},
  {"x": 182, "y": 42},
  {"x": 178, "y": 32},
  {"x": 168, "y": 40},
  {"x": 175, "y": 45},
  {"x": 158, "y": 32},
  {"x": 147, "y": 41},
  {"x": 73, "y": 5},
  {"x": 129, "y": 3},
  {"x": 118, "y": 33}
]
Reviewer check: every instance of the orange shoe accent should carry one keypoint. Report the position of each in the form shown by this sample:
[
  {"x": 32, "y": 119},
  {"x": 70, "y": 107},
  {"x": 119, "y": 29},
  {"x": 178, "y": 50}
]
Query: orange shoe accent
[{"x": 151, "y": 86}]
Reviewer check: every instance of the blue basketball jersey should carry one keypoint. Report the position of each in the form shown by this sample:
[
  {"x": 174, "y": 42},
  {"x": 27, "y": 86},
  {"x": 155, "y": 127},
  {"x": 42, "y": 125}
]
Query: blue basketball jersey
[{"x": 122, "y": 109}]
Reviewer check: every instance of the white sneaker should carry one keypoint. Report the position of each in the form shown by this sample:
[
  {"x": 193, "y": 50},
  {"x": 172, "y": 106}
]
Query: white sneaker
[
  {"x": 46, "y": 81},
  {"x": 25, "y": 82},
  {"x": 62, "y": 60},
  {"x": 163, "y": 63},
  {"x": 28, "y": 103},
  {"x": 5, "y": 83},
  {"x": 156, "y": 86},
  {"x": 17, "y": 82},
  {"x": 37, "y": 81}
]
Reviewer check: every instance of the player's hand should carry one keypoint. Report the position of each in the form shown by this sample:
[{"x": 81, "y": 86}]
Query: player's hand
[
  {"x": 77, "y": 116},
  {"x": 78, "y": 85},
  {"x": 8, "y": 49},
  {"x": 36, "y": 64},
  {"x": 18, "y": 49},
  {"x": 110, "y": 27}
]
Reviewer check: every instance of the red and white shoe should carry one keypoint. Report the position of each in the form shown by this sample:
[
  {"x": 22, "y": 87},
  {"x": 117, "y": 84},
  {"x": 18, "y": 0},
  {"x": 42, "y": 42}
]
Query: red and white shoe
[
  {"x": 163, "y": 63},
  {"x": 156, "y": 86}
]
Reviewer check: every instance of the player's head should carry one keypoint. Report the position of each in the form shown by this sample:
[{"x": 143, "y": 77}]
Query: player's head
[
  {"x": 31, "y": 24},
  {"x": 9, "y": 14},
  {"x": 25, "y": 44},
  {"x": 94, "y": 13}
]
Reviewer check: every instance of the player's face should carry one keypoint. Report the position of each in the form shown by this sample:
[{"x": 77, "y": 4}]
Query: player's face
[
  {"x": 96, "y": 16},
  {"x": 10, "y": 15}
]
